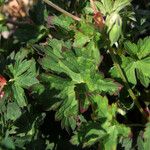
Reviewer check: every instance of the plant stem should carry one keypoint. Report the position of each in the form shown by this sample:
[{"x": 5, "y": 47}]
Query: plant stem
[
  {"x": 93, "y": 6},
  {"x": 136, "y": 125},
  {"x": 61, "y": 10},
  {"x": 132, "y": 95}
]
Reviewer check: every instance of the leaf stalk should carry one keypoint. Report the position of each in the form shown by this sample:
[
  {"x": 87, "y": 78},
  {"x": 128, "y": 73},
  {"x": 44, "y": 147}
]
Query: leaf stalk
[
  {"x": 131, "y": 93},
  {"x": 61, "y": 10}
]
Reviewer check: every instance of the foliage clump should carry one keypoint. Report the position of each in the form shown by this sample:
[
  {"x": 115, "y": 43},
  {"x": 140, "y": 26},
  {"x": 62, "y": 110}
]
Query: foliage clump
[{"x": 75, "y": 76}]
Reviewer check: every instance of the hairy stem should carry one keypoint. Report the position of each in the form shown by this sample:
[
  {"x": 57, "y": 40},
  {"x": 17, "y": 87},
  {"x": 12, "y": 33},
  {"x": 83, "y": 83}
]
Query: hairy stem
[
  {"x": 93, "y": 6},
  {"x": 61, "y": 10},
  {"x": 132, "y": 95}
]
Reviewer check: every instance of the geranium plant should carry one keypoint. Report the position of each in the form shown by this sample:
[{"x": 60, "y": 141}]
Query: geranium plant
[{"x": 75, "y": 75}]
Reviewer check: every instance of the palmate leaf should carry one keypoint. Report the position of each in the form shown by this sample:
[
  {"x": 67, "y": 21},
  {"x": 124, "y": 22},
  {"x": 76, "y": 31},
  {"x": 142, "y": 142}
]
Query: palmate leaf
[
  {"x": 107, "y": 112},
  {"x": 67, "y": 110},
  {"x": 88, "y": 134},
  {"x": 23, "y": 75},
  {"x": 136, "y": 65},
  {"x": 105, "y": 129},
  {"x": 79, "y": 68},
  {"x": 138, "y": 62},
  {"x": 140, "y": 50}
]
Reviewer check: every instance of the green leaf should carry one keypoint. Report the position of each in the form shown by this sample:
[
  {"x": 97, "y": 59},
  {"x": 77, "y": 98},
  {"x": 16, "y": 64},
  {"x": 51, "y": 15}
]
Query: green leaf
[
  {"x": 103, "y": 110},
  {"x": 89, "y": 134},
  {"x": 120, "y": 4},
  {"x": 13, "y": 111},
  {"x": 56, "y": 45},
  {"x": 126, "y": 143},
  {"x": 19, "y": 95},
  {"x": 110, "y": 143},
  {"x": 102, "y": 132},
  {"x": 101, "y": 7},
  {"x": 23, "y": 75},
  {"x": 8, "y": 143},
  {"x": 23, "y": 70},
  {"x": 144, "y": 138},
  {"x": 80, "y": 39},
  {"x": 141, "y": 49},
  {"x": 81, "y": 68},
  {"x": 87, "y": 28},
  {"x": 144, "y": 47},
  {"x": 78, "y": 68},
  {"x": 93, "y": 136},
  {"x": 138, "y": 64},
  {"x": 142, "y": 73},
  {"x": 63, "y": 22},
  {"x": 131, "y": 48},
  {"x": 140, "y": 143},
  {"x": 67, "y": 110},
  {"x": 115, "y": 132},
  {"x": 147, "y": 137},
  {"x": 92, "y": 51},
  {"x": 28, "y": 77},
  {"x": 96, "y": 82},
  {"x": 108, "y": 5},
  {"x": 129, "y": 66}
]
